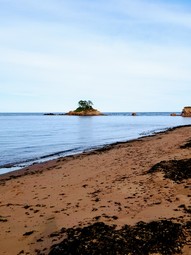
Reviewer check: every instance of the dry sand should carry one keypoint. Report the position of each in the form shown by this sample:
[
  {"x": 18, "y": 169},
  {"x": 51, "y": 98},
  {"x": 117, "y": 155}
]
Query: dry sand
[{"x": 76, "y": 190}]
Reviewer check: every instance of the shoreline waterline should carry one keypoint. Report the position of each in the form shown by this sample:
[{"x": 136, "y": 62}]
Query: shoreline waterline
[
  {"x": 32, "y": 138},
  {"x": 22, "y": 170}
]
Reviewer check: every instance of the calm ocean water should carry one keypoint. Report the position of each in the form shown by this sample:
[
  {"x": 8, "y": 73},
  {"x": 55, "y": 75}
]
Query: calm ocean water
[{"x": 26, "y": 138}]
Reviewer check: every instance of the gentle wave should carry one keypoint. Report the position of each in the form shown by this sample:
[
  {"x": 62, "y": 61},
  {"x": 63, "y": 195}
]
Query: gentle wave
[{"x": 52, "y": 155}]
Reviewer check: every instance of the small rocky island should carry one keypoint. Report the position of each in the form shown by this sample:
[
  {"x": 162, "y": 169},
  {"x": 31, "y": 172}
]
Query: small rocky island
[
  {"x": 186, "y": 112},
  {"x": 85, "y": 108}
]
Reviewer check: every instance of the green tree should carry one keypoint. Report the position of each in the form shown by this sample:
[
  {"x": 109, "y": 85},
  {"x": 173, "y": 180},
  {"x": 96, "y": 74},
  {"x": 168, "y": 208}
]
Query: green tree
[{"x": 84, "y": 105}]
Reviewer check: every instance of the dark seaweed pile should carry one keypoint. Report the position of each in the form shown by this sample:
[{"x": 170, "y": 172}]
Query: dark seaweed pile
[
  {"x": 186, "y": 145},
  {"x": 176, "y": 170},
  {"x": 163, "y": 237}
]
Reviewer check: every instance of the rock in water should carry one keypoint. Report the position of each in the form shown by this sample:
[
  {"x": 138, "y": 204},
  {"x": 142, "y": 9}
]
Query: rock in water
[
  {"x": 85, "y": 113},
  {"x": 186, "y": 112},
  {"x": 85, "y": 109}
]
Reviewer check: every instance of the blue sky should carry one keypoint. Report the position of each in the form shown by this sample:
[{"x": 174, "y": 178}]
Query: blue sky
[{"x": 123, "y": 55}]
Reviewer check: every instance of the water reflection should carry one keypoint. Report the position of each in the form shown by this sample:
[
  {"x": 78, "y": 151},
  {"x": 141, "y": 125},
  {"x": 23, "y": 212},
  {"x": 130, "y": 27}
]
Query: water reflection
[{"x": 85, "y": 129}]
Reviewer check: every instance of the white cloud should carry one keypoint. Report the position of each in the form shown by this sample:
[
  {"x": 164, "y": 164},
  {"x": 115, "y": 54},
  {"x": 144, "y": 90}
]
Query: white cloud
[{"x": 91, "y": 58}]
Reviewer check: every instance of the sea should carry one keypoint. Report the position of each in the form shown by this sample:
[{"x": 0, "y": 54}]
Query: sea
[{"x": 29, "y": 138}]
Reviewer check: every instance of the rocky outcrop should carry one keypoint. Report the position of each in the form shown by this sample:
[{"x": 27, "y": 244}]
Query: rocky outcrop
[
  {"x": 49, "y": 114},
  {"x": 186, "y": 112},
  {"x": 53, "y": 114},
  {"x": 85, "y": 113}
]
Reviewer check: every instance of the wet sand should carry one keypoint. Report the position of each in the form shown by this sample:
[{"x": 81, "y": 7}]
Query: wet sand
[{"x": 110, "y": 185}]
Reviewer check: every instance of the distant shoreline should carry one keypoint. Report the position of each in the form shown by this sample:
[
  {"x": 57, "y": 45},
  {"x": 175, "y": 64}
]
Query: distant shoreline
[{"x": 106, "y": 113}]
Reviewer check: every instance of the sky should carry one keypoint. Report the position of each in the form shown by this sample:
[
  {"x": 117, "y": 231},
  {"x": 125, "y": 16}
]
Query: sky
[{"x": 123, "y": 55}]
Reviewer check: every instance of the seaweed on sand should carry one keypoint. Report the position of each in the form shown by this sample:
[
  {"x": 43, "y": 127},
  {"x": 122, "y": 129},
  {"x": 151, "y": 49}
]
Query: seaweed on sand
[
  {"x": 186, "y": 145},
  {"x": 176, "y": 170},
  {"x": 163, "y": 237}
]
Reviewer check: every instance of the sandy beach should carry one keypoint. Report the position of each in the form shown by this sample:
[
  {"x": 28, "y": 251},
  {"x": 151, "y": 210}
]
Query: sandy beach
[{"x": 111, "y": 185}]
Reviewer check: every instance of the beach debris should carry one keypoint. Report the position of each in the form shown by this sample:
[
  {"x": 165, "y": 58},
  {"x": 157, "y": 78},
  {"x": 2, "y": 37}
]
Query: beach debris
[
  {"x": 3, "y": 219},
  {"x": 176, "y": 170},
  {"x": 162, "y": 237},
  {"x": 186, "y": 145},
  {"x": 26, "y": 206},
  {"x": 186, "y": 209},
  {"x": 21, "y": 252},
  {"x": 28, "y": 233}
]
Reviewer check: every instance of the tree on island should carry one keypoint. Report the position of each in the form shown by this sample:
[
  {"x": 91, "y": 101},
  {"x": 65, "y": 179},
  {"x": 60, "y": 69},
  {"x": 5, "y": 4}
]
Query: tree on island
[
  {"x": 85, "y": 109},
  {"x": 84, "y": 105}
]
